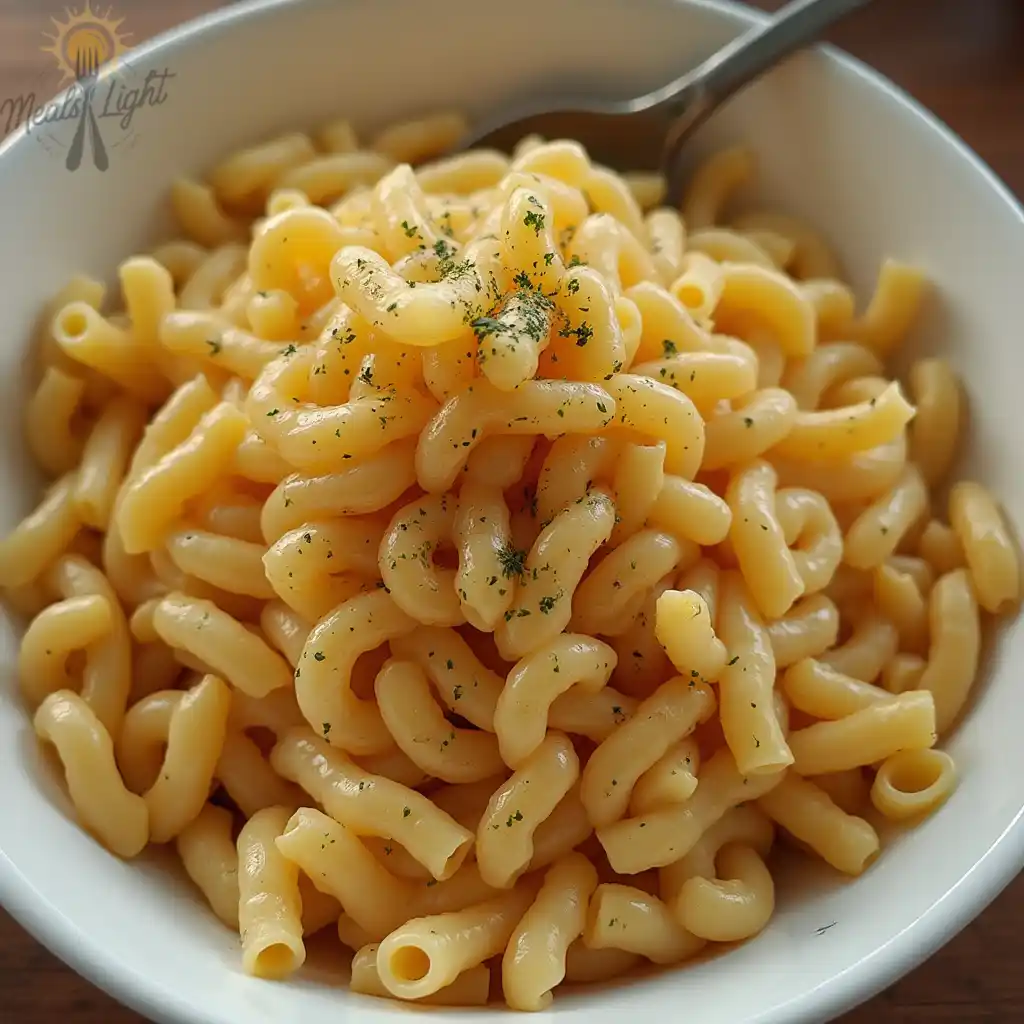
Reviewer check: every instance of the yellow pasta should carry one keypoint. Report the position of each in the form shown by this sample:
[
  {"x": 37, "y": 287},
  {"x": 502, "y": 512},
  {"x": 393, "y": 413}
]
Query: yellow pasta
[
  {"x": 210, "y": 858},
  {"x": 670, "y": 714},
  {"x": 498, "y": 554},
  {"x": 117, "y": 817},
  {"x": 423, "y": 733},
  {"x": 845, "y": 841},
  {"x": 523, "y": 706},
  {"x": 470, "y": 988},
  {"x": 751, "y": 727},
  {"x": 883, "y": 727},
  {"x": 534, "y": 960},
  {"x": 622, "y": 917},
  {"x": 504, "y": 837},
  {"x": 913, "y": 783},
  {"x": 373, "y": 805},
  {"x": 269, "y": 903},
  {"x": 988, "y": 547}
]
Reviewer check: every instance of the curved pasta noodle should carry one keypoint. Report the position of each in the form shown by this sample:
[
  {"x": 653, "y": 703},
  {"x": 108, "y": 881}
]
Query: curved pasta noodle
[
  {"x": 754, "y": 426},
  {"x": 372, "y": 805},
  {"x": 691, "y": 511},
  {"x": 902, "y": 602},
  {"x": 542, "y": 605},
  {"x": 470, "y": 988},
  {"x": 935, "y": 430},
  {"x": 713, "y": 183},
  {"x": 809, "y": 379},
  {"x": 341, "y": 866},
  {"x": 652, "y": 408},
  {"x": 426, "y": 954},
  {"x": 368, "y": 486},
  {"x": 323, "y": 563},
  {"x": 772, "y": 298},
  {"x": 807, "y": 812},
  {"x": 813, "y": 258},
  {"x": 817, "y": 689},
  {"x": 912, "y": 783},
  {"x": 745, "y": 824},
  {"x": 536, "y": 407},
  {"x": 504, "y": 837},
  {"x": 843, "y": 431},
  {"x": 422, "y": 732},
  {"x": 666, "y": 834},
  {"x": 893, "y": 308},
  {"x": 426, "y": 315},
  {"x": 421, "y": 588},
  {"x": 735, "y": 905},
  {"x": 118, "y": 818},
  {"x": 955, "y": 646},
  {"x": 210, "y": 859},
  {"x": 638, "y": 480},
  {"x": 808, "y": 629},
  {"x": 666, "y": 238},
  {"x": 154, "y": 499},
  {"x": 463, "y": 682},
  {"x": 668, "y": 326},
  {"x": 670, "y": 714},
  {"x": 481, "y": 531},
  {"x": 602, "y": 602},
  {"x": 670, "y": 780},
  {"x": 745, "y": 685},
  {"x": 248, "y": 778},
  {"x": 883, "y": 727},
  {"x": 60, "y": 629},
  {"x": 873, "y": 642},
  {"x": 43, "y": 535},
  {"x": 223, "y": 643},
  {"x": 323, "y": 677},
  {"x": 534, "y": 960},
  {"x": 810, "y": 529},
  {"x": 269, "y": 903},
  {"x": 229, "y": 563},
  {"x": 627, "y": 918},
  {"x": 770, "y": 569},
  {"x": 684, "y": 627},
  {"x": 705, "y": 377},
  {"x": 608, "y": 245},
  {"x": 106, "y": 676},
  {"x": 194, "y": 737},
  {"x": 988, "y": 548},
  {"x": 877, "y": 531},
  {"x": 522, "y": 708}
]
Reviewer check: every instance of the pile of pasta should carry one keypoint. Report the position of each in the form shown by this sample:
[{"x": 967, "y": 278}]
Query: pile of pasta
[{"x": 476, "y": 556}]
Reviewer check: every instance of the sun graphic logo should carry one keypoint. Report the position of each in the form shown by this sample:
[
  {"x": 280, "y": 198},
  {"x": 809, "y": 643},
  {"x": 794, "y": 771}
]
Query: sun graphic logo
[
  {"x": 97, "y": 112},
  {"x": 85, "y": 41}
]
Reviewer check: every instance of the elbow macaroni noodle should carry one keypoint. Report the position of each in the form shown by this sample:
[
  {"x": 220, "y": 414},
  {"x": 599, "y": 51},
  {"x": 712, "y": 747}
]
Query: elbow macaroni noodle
[{"x": 437, "y": 545}]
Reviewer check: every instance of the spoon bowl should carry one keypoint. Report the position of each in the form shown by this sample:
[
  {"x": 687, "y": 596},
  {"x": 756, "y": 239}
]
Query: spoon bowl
[{"x": 650, "y": 130}]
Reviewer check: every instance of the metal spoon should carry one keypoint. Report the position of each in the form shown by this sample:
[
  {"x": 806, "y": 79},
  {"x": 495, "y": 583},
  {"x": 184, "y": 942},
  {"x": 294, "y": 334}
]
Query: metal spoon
[{"x": 653, "y": 128}]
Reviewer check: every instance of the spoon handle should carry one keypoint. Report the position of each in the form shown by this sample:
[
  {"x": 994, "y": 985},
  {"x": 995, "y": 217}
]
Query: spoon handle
[
  {"x": 697, "y": 93},
  {"x": 762, "y": 47}
]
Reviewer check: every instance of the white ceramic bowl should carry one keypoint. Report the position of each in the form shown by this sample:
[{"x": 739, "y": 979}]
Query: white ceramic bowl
[{"x": 838, "y": 145}]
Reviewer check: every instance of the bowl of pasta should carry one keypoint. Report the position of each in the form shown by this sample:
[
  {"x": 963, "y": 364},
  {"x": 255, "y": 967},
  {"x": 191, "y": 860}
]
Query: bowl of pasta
[{"x": 468, "y": 581}]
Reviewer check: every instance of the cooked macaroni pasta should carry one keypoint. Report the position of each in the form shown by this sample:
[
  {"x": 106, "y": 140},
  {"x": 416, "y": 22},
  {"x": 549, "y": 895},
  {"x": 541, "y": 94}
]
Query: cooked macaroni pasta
[{"x": 471, "y": 555}]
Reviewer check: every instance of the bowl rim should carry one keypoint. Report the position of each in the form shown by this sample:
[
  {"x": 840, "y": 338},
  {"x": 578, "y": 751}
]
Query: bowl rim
[{"x": 951, "y": 912}]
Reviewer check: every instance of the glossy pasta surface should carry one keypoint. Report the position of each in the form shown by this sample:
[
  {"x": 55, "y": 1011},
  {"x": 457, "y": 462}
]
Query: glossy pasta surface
[{"x": 475, "y": 558}]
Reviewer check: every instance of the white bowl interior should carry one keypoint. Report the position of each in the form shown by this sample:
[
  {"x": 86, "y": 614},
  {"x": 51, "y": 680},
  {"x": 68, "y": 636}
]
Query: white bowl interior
[{"x": 836, "y": 146}]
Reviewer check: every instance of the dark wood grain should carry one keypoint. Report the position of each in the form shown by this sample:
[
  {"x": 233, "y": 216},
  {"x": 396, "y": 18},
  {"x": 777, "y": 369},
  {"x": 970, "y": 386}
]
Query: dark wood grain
[{"x": 962, "y": 59}]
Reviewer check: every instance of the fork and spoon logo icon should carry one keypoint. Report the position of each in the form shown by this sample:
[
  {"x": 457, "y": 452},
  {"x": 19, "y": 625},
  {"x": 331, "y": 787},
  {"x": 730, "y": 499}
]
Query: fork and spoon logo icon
[{"x": 87, "y": 65}]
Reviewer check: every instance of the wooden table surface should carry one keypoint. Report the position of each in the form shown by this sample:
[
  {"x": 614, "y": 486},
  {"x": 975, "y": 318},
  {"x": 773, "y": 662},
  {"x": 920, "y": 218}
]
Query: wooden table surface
[{"x": 964, "y": 59}]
